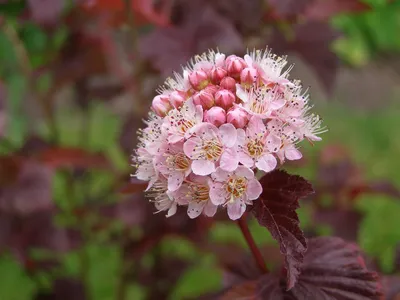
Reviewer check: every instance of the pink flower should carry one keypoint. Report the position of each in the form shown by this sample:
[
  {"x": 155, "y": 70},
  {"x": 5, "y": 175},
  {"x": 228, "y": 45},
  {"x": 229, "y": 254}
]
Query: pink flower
[
  {"x": 210, "y": 145},
  {"x": 163, "y": 199},
  {"x": 228, "y": 83},
  {"x": 199, "y": 79},
  {"x": 178, "y": 123},
  {"x": 145, "y": 167},
  {"x": 216, "y": 116},
  {"x": 174, "y": 165},
  {"x": 260, "y": 101},
  {"x": 196, "y": 194},
  {"x": 288, "y": 139},
  {"x": 177, "y": 98},
  {"x": 217, "y": 74},
  {"x": 255, "y": 146},
  {"x": 234, "y": 189},
  {"x": 235, "y": 65},
  {"x": 161, "y": 105},
  {"x": 237, "y": 117},
  {"x": 248, "y": 76}
]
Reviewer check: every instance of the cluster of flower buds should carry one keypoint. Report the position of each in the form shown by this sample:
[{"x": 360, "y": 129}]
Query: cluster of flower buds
[{"x": 212, "y": 128}]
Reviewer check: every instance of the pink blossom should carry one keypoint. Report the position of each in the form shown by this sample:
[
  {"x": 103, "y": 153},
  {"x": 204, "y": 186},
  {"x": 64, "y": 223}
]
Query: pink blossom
[
  {"x": 256, "y": 145},
  {"x": 210, "y": 145},
  {"x": 204, "y": 98},
  {"x": 228, "y": 83},
  {"x": 235, "y": 65},
  {"x": 178, "y": 123},
  {"x": 237, "y": 117},
  {"x": 216, "y": 116},
  {"x": 145, "y": 167},
  {"x": 234, "y": 190},
  {"x": 195, "y": 193},
  {"x": 217, "y": 74},
  {"x": 163, "y": 199},
  {"x": 248, "y": 76},
  {"x": 174, "y": 165},
  {"x": 177, "y": 98},
  {"x": 199, "y": 79}
]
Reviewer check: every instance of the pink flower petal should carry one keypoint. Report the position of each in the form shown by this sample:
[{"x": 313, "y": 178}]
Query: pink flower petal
[
  {"x": 254, "y": 189},
  {"x": 273, "y": 143},
  {"x": 277, "y": 104},
  {"x": 228, "y": 135},
  {"x": 210, "y": 209},
  {"x": 248, "y": 60},
  {"x": 190, "y": 145},
  {"x": 175, "y": 180},
  {"x": 203, "y": 167},
  {"x": 175, "y": 138},
  {"x": 266, "y": 163},
  {"x": 241, "y": 137},
  {"x": 195, "y": 209},
  {"x": 245, "y": 159},
  {"x": 245, "y": 172},
  {"x": 255, "y": 127},
  {"x": 229, "y": 160},
  {"x": 220, "y": 175},
  {"x": 293, "y": 154},
  {"x": 236, "y": 209},
  {"x": 241, "y": 93},
  {"x": 218, "y": 194}
]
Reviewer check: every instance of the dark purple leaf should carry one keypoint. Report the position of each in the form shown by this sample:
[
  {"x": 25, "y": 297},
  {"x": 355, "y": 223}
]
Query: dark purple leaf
[
  {"x": 46, "y": 12},
  {"x": 64, "y": 289},
  {"x": 391, "y": 285},
  {"x": 25, "y": 186},
  {"x": 286, "y": 8},
  {"x": 312, "y": 41},
  {"x": 321, "y": 10},
  {"x": 276, "y": 210},
  {"x": 332, "y": 270},
  {"x": 202, "y": 28},
  {"x": 344, "y": 223}
]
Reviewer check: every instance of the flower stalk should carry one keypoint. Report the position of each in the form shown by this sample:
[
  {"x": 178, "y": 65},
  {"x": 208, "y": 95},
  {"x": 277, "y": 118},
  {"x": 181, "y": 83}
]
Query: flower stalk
[{"x": 252, "y": 245}]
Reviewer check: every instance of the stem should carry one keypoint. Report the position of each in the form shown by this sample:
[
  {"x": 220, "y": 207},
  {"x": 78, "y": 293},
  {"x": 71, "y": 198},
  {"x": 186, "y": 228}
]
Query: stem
[{"x": 252, "y": 245}]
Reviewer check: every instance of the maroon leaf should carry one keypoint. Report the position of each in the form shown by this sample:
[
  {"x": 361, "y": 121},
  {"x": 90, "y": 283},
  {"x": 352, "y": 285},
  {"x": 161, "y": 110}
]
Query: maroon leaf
[
  {"x": 202, "y": 28},
  {"x": 276, "y": 210},
  {"x": 391, "y": 285},
  {"x": 312, "y": 41},
  {"x": 73, "y": 157},
  {"x": 321, "y": 10},
  {"x": 332, "y": 270},
  {"x": 286, "y": 8}
]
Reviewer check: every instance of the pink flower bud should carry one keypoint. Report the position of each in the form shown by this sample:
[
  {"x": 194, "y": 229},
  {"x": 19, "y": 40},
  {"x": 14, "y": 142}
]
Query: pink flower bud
[
  {"x": 198, "y": 79},
  {"x": 224, "y": 98},
  {"x": 161, "y": 105},
  {"x": 215, "y": 115},
  {"x": 228, "y": 83},
  {"x": 235, "y": 65},
  {"x": 204, "y": 98},
  {"x": 177, "y": 98},
  {"x": 217, "y": 74},
  {"x": 237, "y": 117},
  {"x": 212, "y": 89},
  {"x": 248, "y": 75}
]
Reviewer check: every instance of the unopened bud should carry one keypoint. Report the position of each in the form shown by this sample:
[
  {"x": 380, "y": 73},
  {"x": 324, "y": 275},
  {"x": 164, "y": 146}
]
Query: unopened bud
[
  {"x": 228, "y": 83},
  {"x": 235, "y": 65},
  {"x": 204, "y": 98},
  {"x": 217, "y": 74},
  {"x": 237, "y": 117},
  {"x": 215, "y": 115},
  {"x": 224, "y": 98},
  {"x": 161, "y": 105},
  {"x": 177, "y": 98},
  {"x": 248, "y": 76},
  {"x": 199, "y": 79}
]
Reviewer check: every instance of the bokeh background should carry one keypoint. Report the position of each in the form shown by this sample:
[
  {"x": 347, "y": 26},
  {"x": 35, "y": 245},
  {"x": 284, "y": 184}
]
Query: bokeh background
[{"x": 76, "y": 79}]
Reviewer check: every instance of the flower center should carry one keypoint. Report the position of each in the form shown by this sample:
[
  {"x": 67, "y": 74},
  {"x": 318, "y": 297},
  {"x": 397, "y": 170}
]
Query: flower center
[
  {"x": 212, "y": 150},
  {"x": 236, "y": 186},
  {"x": 255, "y": 148},
  {"x": 179, "y": 161},
  {"x": 200, "y": 193},
  {"x": 184, "y": 125}
]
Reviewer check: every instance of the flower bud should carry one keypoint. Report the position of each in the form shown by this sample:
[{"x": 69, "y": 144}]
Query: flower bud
[
  {"x": 177, "y": 98},
  {"x": 217, "y": 74},
  {"x": 198, "y": 79},
  {"x": 228, "y": 83},
  {"x": 204, "y": 98},
  {"x": 235, "y": 65},
  {"x": 161, "y": 105},
  {"x": 215, "y": 115},
  {"x": 237, "y": 117},
  {"x": 224, "y": 98},
  {"x": 248, "y": 76}
]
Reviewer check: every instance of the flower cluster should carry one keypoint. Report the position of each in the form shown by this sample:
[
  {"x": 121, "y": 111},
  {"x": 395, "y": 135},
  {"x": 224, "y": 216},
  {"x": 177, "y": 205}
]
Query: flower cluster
[{"x": 213, "y": 127}]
